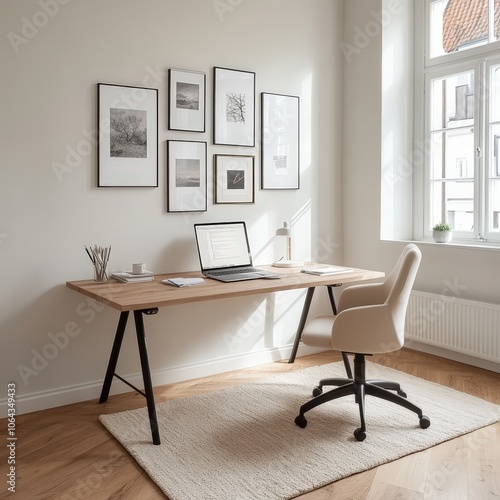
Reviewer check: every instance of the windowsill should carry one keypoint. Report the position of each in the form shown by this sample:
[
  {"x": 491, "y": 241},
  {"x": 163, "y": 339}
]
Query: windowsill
[{"x": 488, "y": 246}]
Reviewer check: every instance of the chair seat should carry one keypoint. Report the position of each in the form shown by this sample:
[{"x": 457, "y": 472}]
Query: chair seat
[{"x": 318, "y": 332}]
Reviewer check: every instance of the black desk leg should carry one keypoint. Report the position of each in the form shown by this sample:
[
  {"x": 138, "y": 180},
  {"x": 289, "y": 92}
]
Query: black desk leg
[
  {"x": 113, "y": 358},
  {"x": 146, "y": 375},
  {"x": 331, "y": 296},
  {"x": 347, "y": 364},
  {"x": 303, "y": 318}
]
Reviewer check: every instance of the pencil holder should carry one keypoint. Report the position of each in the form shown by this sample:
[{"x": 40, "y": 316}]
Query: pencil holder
[
  {"x": 100, "y": 272},
  {"x": 99, "y": 256}
]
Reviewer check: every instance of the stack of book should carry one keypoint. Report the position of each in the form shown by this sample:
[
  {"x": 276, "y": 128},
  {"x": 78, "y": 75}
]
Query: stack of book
[
  {"x": 133, "y": 278},
  {"x": 323, "y": 271}
]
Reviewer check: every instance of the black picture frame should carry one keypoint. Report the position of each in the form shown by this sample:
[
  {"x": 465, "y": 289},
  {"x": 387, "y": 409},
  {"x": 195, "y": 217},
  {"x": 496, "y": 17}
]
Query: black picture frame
[
  {"x": 234, "y": 107},
  {"x": 234, "y": 179},
  {"x": 186, "y": 176},
  {"x": 186, "y": 100},
  {"x": 127, "y": 152},
  {"x": 280, "y": 141}
]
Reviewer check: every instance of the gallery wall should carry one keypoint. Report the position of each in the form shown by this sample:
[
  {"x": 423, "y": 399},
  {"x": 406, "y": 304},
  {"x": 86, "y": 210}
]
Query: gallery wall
[{"x": 55, "y": 343}]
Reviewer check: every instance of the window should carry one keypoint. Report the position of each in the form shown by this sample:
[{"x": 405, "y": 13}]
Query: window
[
  {"x": 458, "y": 25},
  {"x": 461, "y": 118}
]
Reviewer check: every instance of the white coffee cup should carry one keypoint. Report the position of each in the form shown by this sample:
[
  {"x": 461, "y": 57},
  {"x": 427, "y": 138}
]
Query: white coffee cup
[{"x": 139, "y": 267}]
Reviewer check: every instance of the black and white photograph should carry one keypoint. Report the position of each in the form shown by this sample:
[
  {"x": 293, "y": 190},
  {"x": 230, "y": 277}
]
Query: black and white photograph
[
  {"x": 234, "y": 107},
  {"x": 234, "y": 179},
  {"x": 186, "y": 176},
  {"x": 187, "y": 172},
  {"x": 187, "y": 96},
  {"x": 128, "y": 136},
  {"x": 280, "y": 141},
  {"x": 186, "y": 100}
]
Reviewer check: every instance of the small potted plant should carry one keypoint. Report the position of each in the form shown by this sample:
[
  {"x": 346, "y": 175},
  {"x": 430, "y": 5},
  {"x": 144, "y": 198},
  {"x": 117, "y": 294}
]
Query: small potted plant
[{"x": 441, "y": 232}]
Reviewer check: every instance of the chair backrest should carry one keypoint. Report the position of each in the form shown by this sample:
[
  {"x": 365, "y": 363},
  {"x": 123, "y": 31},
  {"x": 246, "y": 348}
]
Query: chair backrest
[
  {"x": 371, "y": 317},
  {"x": 400, "y": 283}
]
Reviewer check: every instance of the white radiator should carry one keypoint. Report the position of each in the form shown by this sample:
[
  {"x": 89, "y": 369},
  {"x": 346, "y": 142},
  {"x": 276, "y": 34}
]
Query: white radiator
[{"x": 464, "y": 326}]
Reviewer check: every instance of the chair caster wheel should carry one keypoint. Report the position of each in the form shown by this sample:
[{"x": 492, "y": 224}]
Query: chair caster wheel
[
  {"x": 402, "y": 394},
  {"x": 317, "y": 391},
  {"x": 424, "y": 422},
  {"x": 359, "y": 434},
  {"x": 301, "y": 421}
]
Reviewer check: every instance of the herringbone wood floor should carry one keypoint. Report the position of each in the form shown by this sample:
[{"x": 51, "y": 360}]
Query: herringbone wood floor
[{"x": 65, "y": 453}]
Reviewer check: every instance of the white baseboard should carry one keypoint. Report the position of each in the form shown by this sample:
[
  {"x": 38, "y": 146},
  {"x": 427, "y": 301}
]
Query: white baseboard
[
  {"x": 453, "y": 355},
  {"x": 77, "y": 393}
]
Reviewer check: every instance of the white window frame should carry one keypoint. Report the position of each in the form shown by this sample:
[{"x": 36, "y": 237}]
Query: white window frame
[{"x": 479, "y": 60}]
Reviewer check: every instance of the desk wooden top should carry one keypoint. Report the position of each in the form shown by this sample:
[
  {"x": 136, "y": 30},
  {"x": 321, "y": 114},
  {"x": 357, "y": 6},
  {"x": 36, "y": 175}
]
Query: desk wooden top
[{"x": 133, "y": 296}]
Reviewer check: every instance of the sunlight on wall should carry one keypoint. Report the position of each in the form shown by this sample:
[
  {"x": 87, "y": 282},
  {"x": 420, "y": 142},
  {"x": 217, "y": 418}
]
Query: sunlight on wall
[
  {"x": 388, "y": 67},
  {"x": 259, "y": 234},
  {"x": 387, "y": 186},
  {"x": 397, "y": 119},
  {"x": 301, "y": 231},
  {"x": 266, "y": 324},
  {"x": 306, "y": 124},
  {"x": 301, "y": 221}
]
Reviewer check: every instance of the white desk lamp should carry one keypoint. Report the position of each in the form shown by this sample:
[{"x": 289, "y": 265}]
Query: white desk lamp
[{"x": 287, "y": 262}]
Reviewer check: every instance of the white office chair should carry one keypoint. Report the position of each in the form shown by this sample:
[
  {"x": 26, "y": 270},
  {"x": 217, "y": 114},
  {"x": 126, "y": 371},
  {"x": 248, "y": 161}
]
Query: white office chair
[{"x": 370, "y": 320}]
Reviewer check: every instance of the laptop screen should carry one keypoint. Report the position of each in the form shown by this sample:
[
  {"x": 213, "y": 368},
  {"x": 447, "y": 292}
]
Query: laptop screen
[{"x": 222, "y": 244}]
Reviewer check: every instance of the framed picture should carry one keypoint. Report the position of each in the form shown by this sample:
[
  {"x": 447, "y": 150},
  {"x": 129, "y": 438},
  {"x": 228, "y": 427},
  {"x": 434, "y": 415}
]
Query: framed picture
[
  {"x": 234, "y": 179},
  {"x": 280, "y": 142},
  {"x": 128, "y": 136},
  {"x": 186, "y": 176},
  {"x": 234, "y": 107},
  {"x": 186, "y": 98}
]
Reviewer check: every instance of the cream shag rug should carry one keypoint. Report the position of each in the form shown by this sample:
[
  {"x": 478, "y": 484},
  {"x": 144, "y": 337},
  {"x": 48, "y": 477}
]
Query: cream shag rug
[{"x": 242, "y": 442}]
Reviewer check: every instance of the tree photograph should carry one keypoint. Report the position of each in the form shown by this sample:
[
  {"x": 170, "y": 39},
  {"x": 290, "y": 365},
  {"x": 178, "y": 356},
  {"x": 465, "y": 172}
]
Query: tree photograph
[
  {"x": 128, "y": 133},
  {"x": 235, "y": 107}
]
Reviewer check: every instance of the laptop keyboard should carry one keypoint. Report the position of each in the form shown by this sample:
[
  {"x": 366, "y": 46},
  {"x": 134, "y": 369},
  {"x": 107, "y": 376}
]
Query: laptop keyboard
[{"x": 231, "y": 271}]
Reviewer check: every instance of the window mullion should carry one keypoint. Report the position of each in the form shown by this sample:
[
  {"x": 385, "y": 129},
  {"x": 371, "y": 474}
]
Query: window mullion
[{"x": 481, "y": 155}]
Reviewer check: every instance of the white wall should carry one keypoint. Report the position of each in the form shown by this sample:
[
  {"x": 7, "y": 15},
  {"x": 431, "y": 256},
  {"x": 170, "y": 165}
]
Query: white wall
[
  {"x": 52, "y": 58},
  {"x": 468, "y": 273}
]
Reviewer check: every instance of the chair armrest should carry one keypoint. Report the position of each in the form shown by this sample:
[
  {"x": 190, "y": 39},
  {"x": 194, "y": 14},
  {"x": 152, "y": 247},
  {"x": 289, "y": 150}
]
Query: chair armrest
[
  {"x": 365, "y": 330},
  {"x": 362, "y": 295}
]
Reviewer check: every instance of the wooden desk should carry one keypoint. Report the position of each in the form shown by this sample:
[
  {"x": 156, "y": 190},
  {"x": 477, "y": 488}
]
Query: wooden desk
[{"x": 147, "y": 298}]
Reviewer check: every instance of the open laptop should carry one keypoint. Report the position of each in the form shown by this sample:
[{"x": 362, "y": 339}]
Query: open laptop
[{"x": 225, "y": 254}]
